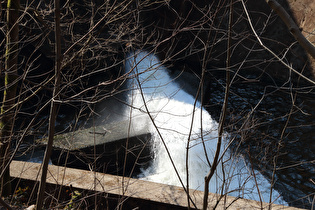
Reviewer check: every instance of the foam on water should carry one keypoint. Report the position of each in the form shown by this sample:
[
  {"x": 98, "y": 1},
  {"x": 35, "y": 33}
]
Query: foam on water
[{"x": 179, "y": 119}]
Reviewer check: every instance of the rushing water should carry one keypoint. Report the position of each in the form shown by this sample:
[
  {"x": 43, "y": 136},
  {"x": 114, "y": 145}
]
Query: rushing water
[
  {"x": 181, "y": 122},
  {"x": 177, "y": 122}
]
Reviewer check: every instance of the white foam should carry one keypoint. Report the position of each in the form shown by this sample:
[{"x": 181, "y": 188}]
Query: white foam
[{"x": 179, "y": 119}]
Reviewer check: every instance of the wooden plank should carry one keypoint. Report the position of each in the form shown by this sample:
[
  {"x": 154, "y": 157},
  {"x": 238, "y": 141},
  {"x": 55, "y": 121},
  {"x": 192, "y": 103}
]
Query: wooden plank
[{"x": 129, "y": 187}]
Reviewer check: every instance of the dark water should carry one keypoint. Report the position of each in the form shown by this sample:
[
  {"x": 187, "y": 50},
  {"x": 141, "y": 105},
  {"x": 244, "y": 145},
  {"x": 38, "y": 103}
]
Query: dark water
[{"x": 274, "y": 128}]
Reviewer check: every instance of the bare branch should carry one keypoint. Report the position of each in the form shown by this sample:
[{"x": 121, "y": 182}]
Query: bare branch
[
  {"x": 293, "y": 28},
  {"x": 270, "y": 51},
  {"x": 223, "y": 113},
  {"x": 53, "y": 109}
]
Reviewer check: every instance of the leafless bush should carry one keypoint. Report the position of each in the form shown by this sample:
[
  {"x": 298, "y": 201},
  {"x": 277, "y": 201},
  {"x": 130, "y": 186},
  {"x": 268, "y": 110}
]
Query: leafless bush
[{"x": 268, "y": 95}]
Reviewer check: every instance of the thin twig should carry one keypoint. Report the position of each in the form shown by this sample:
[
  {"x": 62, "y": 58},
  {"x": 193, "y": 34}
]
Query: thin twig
[
  {"x": 223, "y": 113},
  {"x": 53, "y": 109},
  {"x": 161, "y": 137},
  {"x": 269, "y": 50},
  {"x": 5, "y": 205},
  {"x": 255, "y": 178}
]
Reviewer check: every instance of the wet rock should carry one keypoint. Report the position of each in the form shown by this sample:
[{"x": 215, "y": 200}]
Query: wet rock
[{"x": 116, "y": 148}]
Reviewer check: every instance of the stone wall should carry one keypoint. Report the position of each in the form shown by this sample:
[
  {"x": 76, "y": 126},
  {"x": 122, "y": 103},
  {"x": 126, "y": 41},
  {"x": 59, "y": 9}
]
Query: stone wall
[{"x": 304, "y": 13}]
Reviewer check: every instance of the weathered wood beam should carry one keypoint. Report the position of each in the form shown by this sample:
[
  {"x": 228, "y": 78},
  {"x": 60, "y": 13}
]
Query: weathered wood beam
[{"x": 129, "y": 187}]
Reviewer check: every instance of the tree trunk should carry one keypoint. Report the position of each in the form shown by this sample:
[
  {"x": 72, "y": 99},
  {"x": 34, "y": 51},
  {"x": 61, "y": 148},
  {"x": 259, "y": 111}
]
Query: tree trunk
[{"x": 7, "y": 108}]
